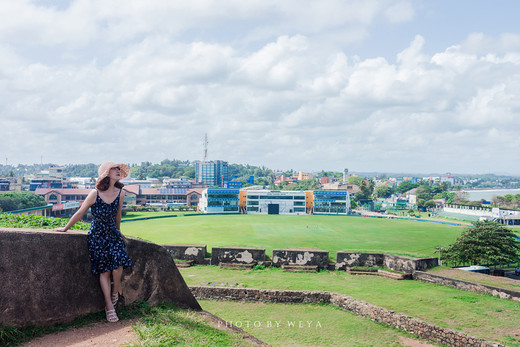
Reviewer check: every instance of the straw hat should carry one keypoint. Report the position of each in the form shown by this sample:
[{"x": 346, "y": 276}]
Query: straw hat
[{"x": 104, "y": 170}]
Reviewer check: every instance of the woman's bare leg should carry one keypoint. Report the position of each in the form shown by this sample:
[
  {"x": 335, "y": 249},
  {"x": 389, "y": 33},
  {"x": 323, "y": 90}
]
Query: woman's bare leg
[
  {"x": 116, "y": 276},
  {"x": 104, "y": 281}
]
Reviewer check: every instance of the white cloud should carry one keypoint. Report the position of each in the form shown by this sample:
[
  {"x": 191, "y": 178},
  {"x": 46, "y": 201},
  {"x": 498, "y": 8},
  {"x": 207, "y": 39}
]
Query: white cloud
[
  {"x": 399, "y": 12},
  {"x": 479, "y": 43},
  {"x": 283, "y": 94}
]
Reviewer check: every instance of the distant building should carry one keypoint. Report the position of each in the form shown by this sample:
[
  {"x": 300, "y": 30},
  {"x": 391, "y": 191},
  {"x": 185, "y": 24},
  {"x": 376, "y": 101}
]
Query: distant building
[
  {"x": 275, "y": 202},
  {"x": 331, "y": 202},
  {"x": 135, "y": 195},
  {"x": 62, "y": 195},
  {"x": 350, "y": 187},
  {"x": 279, "y": 178},
  {"x": 219, "y": 200},
  {"x": 345, "y": 175},
  {"x": 52, "y": 178},
  {"x": 176, "y": 183},
  {"x": 10, "y": 184},
  {"x": 4, "y": 185},
  {"x": 193, "y": 196},
  {"x": 233, "y": 184},
  {"x": 303, "y": 176},
  {"x": 448, "y": 178},
  {"x": 212, "y": 173},
  {"x": 324, "y": 180},
  {"x": 84, "y": 182},
  {"x": 289, "y": 202},
  {"x": 57, "y": 171},
  {"x": 147, "y": 183}
]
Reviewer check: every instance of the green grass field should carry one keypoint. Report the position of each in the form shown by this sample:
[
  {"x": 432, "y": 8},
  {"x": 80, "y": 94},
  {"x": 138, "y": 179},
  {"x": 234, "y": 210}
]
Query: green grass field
[
  {"x": 480, "y": 315},
  {"x": 321, "y": 325},
  {"x": 147, "y": 214},
  {"x": 331, "y": 233},
  {"x": 476, "y": 314}
]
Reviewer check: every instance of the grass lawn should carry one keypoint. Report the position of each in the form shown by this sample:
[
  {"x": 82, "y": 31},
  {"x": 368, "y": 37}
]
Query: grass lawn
[
  {"x": 304, "y": 324},
  {"x": 500, "y": 282},
  {"x": 479, "y": 315},
  {"x": 162, "y": 325},
  {"x": 332, "y": 233},
  {"x": 276, "y": 324},
  {"x": 167, "y": 325},
  {"x": 148, "y": 214}
]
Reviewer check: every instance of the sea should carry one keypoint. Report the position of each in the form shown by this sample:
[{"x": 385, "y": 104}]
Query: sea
[{"x": 488, "y": 194}]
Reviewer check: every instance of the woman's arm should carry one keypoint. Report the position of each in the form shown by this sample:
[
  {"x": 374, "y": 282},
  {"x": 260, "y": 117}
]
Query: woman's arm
[
  {"x": 119, "y": 210},
  {"x": 89, "y": 201}
]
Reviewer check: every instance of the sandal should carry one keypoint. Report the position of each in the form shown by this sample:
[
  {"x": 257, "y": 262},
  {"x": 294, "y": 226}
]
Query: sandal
[
  {"x": 111, "y": 315},
  {"x": 115, "y": 298}
]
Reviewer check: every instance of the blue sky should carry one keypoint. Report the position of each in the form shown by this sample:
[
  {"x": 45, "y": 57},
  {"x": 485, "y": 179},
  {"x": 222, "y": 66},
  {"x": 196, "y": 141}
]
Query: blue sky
[{"x": 373, "y": 85}]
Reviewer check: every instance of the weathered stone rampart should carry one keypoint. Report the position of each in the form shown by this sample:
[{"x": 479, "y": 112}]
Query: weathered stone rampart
[
  {"x": 240, "y": 255},
  {"x": 301, "y": 256},
  {"x": 393, "y": 262},
  {"x": 469, "y": 286},
  {"x": 195, "y": 253},
  {"x": 46, "y": 277},
  {"x": 411, "y": 325}
]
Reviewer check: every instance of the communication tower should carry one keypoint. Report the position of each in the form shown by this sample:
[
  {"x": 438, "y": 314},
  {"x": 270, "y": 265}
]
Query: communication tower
[{"x": 205, "y": 143}]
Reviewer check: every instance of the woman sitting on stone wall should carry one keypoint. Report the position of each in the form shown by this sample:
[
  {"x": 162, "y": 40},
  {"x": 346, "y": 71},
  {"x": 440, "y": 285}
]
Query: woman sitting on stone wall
[{"x": 106, "y": 247}]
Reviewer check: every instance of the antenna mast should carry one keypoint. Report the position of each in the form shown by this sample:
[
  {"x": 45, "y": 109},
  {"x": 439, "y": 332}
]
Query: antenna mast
[{"x": 205, "y": 147}]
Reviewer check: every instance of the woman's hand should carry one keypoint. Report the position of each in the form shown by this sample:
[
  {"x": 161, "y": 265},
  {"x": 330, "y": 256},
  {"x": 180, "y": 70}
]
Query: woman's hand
[{"x": 60, "y": 230}]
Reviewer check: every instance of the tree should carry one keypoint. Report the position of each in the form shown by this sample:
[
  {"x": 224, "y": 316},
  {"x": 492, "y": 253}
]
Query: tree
[
  {"x": 430, "y": 204},
  {"x": 475, "y": 203},
  {"x": 485, "y": 242},
  {"x": 383, "y": 191},
  {"x": 355, "y": 180},
  {"x": 11, "y": 201},
  {"x": 365, "y": 190},
  {"x": 309, "y": 184},
  {"x": 406, "y": 186},
  {"x": 424, "y": 192},
  {"x": 460, "y": 197}
]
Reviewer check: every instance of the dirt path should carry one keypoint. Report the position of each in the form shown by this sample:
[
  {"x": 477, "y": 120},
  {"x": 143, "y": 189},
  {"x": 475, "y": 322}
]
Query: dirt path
[
  {"x": 104, "y": 334},
  {"x": 406, "y": 341},
  {"x": 98, "y": 334}
]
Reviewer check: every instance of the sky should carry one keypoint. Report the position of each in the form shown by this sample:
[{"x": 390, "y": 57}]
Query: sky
[{"x": 368, "y": 85}]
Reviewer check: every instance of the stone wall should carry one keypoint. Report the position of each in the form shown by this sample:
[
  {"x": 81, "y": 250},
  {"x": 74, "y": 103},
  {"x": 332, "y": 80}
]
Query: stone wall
[
  {"x": 411, "y": 325},
  {"x": 350, "y": 259},
  {"x": 263, "y": 295},
  {"x": 238, "y": 255},
  {"x": 408, "y": 265},
  {"x": 469, "y": 286},
  {"x": 301, "y": 256},
  {"x": 46, "y": 277},
  {"x": 196, "y": 253},
  {"x": 394, "y": 262}
]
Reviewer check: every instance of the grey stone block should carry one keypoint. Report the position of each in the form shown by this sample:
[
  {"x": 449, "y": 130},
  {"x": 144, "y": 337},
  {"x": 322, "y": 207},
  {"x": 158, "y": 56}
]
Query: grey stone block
[
  {"x": 241, "y": 255},
  {"x": 195, "y": 253},
  {"x": 46, "y": 277},
  {"x": 301, "y": 256}
]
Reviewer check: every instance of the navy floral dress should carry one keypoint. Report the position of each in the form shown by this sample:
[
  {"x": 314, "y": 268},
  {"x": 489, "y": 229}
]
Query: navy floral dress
[{"x": 105, "y": 243}]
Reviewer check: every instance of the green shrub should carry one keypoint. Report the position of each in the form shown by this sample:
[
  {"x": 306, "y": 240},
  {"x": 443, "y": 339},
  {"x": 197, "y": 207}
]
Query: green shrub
[
  {"x": 8, "y": 220},
  {"x": 12, "y": 201}
]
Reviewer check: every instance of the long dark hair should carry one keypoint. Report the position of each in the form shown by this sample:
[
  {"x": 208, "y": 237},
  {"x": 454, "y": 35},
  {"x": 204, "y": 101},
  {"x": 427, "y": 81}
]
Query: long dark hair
[{"x": 105, "y": 183}]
